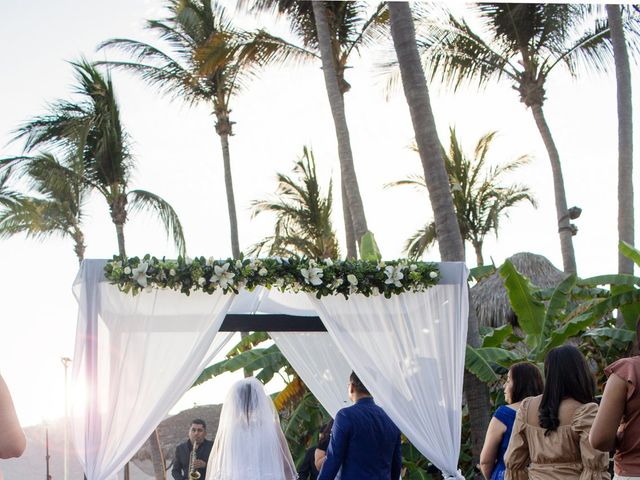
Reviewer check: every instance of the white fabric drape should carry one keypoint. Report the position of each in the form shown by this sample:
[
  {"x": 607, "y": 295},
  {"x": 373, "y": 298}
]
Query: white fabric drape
[
  {"x": 137, "y": 355},
  {"x": 320, "y": 364},
  {"x": 409, "y": 352}
]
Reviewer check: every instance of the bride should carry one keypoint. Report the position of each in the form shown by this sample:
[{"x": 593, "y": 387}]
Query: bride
[{"x": 249, "y": 444}]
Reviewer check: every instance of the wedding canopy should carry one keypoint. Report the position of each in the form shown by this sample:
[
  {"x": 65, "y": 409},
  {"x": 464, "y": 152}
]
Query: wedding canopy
[{"x": 136, "y": 355}]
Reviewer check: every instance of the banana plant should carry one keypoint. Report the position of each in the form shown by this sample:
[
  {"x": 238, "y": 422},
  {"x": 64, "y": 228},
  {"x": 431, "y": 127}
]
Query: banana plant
[{"x": 549, "y": 317}]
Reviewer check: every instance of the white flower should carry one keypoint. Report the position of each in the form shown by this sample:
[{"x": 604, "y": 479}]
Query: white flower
[
  {"x": 352, "y": 279},
  {"x": 413, "y": 267},
  {"x": 202, "y": 281},
  {"x": 127, "y": 270},
  {"x": 262, "y": 272},
  {"x": 380, "y": 265},
  {"x": 433, "y": 274},
  {"x": 139, "y": 274},
  {"x": 278, "y": 259},
  {"x": 394, "y": 275},
  {"x": 238, "y": 264},
  {"x": 222, "y": 276},
  {"x": 116, "y": 264},
  {"x": 209, "y": 261},
  {"x": 279, "y": 283},
  {"x": 188, "y": 260},
  {"x": 312, "y": 275},
  {"x": 172, "y": 272},
  {"x": 375, "y": 291},
  {"x": 328, "y": 262},
  {"x": 337, "y": 283}
]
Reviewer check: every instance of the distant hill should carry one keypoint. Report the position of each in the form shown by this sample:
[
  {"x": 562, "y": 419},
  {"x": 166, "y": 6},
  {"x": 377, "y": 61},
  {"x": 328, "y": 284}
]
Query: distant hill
[{"x": 32, "y": 465}]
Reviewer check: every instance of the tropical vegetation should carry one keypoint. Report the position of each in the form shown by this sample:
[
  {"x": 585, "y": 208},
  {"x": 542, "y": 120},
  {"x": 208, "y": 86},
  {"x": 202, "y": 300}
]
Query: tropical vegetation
[
  {"x": 303, "y": 215},
  {"x": 80, "y": 148},
  {"x": 210, "y": 62},
  {"x": 523, "y": 43},
  {"x": 479, "y": 197}
]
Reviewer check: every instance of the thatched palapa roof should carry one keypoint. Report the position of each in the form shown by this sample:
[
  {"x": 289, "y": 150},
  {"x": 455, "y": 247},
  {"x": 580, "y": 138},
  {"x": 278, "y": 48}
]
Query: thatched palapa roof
[{"x": 490, "y": 297}]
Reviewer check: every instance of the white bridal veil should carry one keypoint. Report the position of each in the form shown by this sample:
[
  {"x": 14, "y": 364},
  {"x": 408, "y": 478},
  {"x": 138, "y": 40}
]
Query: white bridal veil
[{"x": 249, "y": 444}]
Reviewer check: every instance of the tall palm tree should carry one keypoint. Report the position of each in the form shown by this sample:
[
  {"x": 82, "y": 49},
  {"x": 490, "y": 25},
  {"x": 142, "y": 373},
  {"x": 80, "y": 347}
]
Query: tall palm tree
[
  {"x": 210, "y": 62},
  {"x": 91, "y": 131},
  {"x": 625, "y": 135},
  {"x": 478, "y": 196},
  {"x": 334, "y": 30},
  {"x": 54, "y": 205},
  {"x": 523, "y": 43},
  {"x": 450, "y": 241},
  {"x": 303, "y": 215}
]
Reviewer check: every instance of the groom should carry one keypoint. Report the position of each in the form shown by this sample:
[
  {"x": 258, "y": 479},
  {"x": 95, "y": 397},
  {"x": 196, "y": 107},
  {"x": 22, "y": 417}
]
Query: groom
[{"x": 364, "y": 440}]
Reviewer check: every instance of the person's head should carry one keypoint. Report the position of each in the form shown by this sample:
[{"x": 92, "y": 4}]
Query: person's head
[
  {"x": 523, "y": 380},
  {"x": 248, "y": 402},
  {"x": 197, "y": 431},
  {"x": 567, "y": 375},
  {"x": 325, "y": 430},
  {"x": 356, "y": 388}
]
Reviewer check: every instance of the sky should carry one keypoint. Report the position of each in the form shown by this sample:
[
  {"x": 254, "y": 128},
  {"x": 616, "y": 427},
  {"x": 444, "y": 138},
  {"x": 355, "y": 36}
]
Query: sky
[{"x": 178, "y": 157}]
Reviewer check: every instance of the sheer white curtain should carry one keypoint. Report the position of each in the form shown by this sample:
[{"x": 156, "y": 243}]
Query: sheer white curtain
[
  {"x": 134, "y": 358},
  {"x": 409, "y": 352},
  {"x": 320, "y": 364}
]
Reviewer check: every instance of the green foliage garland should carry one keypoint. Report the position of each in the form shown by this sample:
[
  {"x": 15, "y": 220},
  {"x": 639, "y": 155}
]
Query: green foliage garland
[{"x": 292, "y": 274}]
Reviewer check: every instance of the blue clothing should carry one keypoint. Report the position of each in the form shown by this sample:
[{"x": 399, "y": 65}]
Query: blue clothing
[
  {"x": 365, "y": 443},
  {"x": 507, "y": 416}
]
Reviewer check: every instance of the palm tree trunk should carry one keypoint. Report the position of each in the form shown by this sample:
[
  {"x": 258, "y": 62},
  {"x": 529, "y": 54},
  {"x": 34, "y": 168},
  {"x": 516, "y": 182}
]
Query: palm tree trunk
[
  {"x": 562, "y": 212},
  {"x": 231, "y": 202},
  {"x": 118, "y": 210},
  {"x": 336, "y": 101},
  {"x": 120, "y": 234},
  {"x": 352, "y": 250},
  {"x": 625, "y": 136},
  {"x": 477, "y": 246},
  {"x": 157, "y": 459},
  {"x": 79, "y": 246},
  {"x": 450, "y": 240},
  {"x": 223, "y": 128},
  {"x": 435, "y": 174}
]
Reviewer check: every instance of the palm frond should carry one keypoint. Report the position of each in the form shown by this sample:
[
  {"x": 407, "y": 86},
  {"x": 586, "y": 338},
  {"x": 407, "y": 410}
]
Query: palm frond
[
  {"x": 421, "y": 241},
  {"x": 592, "y": 50},
  {"x": 142, "y": 200}
]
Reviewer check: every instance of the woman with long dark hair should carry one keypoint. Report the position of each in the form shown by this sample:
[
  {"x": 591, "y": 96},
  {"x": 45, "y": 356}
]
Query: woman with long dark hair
[
  {"x": 523, "y": 380},
  {"x": 550, "y": 439},
  {"x": 617, "y": 424}
]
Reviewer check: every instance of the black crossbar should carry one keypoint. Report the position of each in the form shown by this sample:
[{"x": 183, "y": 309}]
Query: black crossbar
[{"x": 271, "y": 323}]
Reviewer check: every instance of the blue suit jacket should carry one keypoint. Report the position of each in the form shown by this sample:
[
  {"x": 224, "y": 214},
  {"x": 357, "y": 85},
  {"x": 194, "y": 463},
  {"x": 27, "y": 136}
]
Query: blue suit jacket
[{"x": 365, "y": 443}]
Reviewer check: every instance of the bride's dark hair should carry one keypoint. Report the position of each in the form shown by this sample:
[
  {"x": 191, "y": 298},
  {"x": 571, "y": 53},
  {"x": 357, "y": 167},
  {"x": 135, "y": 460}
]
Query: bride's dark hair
[{"x": 566, "y": 375}]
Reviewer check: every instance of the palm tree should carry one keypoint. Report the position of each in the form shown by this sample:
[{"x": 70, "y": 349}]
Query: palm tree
[
  {"x": 335, "y": 30},
  {"x": 211, "y": 61},
  {"x": 478, "y": 197},
  {"x": 8, "y": 196},
  {"x": 524, "y": 43},
  {"x": 54, "y": 208},
  {"x": 450, "y": 241},
  {"x": 303, "y": 215},
  {"x": 625, "y": 135},
  {"x": 91, "y": 131}
]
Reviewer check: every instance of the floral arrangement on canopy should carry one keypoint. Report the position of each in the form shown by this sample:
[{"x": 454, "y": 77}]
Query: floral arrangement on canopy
[{"x": 292, "y": 274}]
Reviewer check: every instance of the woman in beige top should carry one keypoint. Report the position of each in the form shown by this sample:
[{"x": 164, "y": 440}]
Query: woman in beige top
[{"x": 550, "y": 438}]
